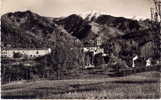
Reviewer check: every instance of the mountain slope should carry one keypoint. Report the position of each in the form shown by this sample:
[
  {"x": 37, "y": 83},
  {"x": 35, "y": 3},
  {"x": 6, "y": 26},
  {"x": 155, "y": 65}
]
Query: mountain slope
[
  {"x": 120, "y": 38},
  {"x": 29, "y": 30},
  {"x": 23, "y": 26}
]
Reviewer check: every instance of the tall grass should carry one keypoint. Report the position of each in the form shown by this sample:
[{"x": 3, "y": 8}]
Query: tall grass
[{"x": 143, "y": 85}]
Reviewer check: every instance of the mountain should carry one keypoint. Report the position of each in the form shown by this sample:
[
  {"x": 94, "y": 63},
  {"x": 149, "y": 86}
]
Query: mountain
[
  {"x": 124, "y": 24},
  {"x": 75, "y": 25},
  {"x": 30, "y": 30},
  {"x": 121, "y": 39},
  {"x": 27, "y": 29}
]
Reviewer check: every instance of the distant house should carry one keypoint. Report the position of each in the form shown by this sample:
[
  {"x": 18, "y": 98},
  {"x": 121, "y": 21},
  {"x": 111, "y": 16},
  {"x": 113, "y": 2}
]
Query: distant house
[
  {"x": 90, "y": 55},
  {"x": 95, "y": 50},
  {"x": 30, "y": 53},
  {"x": 99, "y": 41}
]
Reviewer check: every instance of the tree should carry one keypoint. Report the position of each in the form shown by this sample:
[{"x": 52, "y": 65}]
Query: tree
[{"x": 17, "y": 55}]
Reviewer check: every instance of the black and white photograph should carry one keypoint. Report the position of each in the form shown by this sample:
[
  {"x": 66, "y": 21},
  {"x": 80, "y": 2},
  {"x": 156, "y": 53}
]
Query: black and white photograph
[{"x": 80, "y": 49}]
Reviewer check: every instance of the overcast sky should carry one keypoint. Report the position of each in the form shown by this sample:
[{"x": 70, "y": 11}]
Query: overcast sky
[{"x": 57, "y": 8}]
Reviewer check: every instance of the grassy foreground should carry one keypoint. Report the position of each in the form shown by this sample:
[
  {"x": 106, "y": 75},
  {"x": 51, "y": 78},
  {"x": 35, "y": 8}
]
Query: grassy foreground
[{"x": 141, "y": 85}]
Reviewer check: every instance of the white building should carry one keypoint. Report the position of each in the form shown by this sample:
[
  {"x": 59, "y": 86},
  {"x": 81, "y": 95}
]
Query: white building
[
  {"x": 148, "y": 62},
  {"x": 133, "y": 61},
  {"x": 31, "y": 53},
  {"x": 95, "y": 50}
]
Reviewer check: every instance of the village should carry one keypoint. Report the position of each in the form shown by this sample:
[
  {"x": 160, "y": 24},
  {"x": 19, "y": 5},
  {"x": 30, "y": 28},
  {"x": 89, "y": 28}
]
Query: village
[{"x": 89, "y": 51}]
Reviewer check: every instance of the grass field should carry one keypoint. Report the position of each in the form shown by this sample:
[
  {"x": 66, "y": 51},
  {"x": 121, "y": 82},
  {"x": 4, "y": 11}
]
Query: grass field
[{"x": 141, "y": 85}]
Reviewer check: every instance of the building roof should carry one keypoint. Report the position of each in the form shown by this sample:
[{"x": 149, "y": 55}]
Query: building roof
[{"x": 25, "y": 49}]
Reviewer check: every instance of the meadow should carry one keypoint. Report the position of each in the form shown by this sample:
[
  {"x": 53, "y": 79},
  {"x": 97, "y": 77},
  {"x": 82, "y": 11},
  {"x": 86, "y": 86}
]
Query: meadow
[{"x": 136, "y": 86}]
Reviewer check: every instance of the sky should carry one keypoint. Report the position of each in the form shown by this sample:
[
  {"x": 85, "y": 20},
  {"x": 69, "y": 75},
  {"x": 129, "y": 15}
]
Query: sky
[{"x": 57, "y": 8}]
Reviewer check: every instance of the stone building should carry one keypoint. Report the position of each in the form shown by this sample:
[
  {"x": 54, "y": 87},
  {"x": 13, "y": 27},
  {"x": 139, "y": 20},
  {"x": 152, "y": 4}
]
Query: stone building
[{"x": 30, "y": 53}]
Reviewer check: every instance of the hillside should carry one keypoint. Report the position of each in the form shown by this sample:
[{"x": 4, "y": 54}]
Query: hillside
[
  {"x": 29, "y": 30},
  {"x": 121, "y": 39},
  {"x": 41, "y": 28}
]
